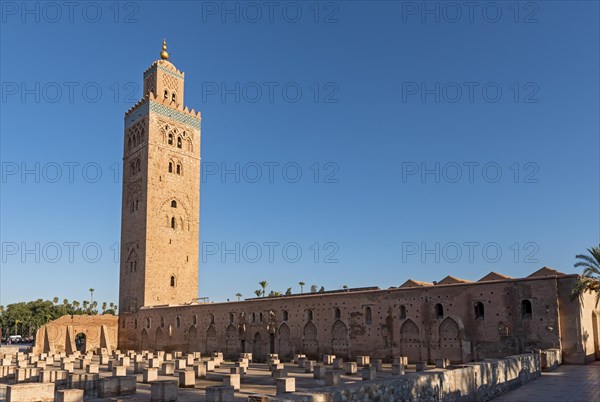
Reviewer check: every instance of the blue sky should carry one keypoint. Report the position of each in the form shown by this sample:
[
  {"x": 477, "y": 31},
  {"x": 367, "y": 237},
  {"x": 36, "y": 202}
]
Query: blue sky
[{"x": 429, "y": 141}]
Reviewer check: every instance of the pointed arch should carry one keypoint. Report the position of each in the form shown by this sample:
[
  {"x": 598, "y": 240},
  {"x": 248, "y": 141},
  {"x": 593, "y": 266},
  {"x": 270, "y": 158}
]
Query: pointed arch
[
  {"x": 192, "y": 337},
  {"x": 159, "y": 342},
  {"x": 212, "y": 343},
  {"x": 339, "y": 339},
  {"x": 410, "y": 341},
  {"x": 257, "y": 348},
  {"x": 231, "y": 342},
  {"x": 144, "y": 344},
  {"x": 449, "y": 342},
  {"x": 284, "y": 345},
  {"x": 310, "y": 342}
]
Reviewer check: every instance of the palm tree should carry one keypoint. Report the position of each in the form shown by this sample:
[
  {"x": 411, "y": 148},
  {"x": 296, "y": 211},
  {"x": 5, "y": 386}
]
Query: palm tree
[
  {"x": 258, "y": 292},
  {"x": 103, "y": 307},
  {"x": 238, "y": 295},
  {"x": 91, "y": 295},
  {"x": 590, "y": 280},
  {"x": 55, "y": 300},
  {"x": 263, "y": 285},
  {"x": 345, "y": 287},
  {"x": 301, "y": 286}
]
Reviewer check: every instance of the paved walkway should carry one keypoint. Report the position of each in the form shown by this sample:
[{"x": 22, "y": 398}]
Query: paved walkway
[{"x": 565, "y": 384}]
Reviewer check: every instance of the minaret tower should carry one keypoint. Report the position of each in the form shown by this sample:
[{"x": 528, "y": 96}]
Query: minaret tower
[{"x": 161, "y": 194}]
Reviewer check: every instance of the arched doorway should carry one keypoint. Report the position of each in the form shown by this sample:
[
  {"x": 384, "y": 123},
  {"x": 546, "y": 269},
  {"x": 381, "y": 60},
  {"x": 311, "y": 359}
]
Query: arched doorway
[
  {"x": 193, "y": 340},
  {"x": 80, "y": 341},
  {"x": 284, "y": 346},
  {"x": 212, "y": 343},
  {"x": 410, "y": 345},
  {"x": 450, "y": 345},
  {"x": 257, "y": 350},
  {"x": 144, "y": 344},
  {"x": 231, "y": 342},
  {"x": 160, "y": 342},
  {"x": 310, "y": 342},
  {"x": 339, "y": 339}
]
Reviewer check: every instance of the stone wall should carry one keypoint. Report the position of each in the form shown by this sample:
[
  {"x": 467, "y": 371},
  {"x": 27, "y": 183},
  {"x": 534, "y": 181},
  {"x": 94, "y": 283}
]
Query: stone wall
[
  {"x": 479, "y": 381},
  {"x": 379, "y": 323}
]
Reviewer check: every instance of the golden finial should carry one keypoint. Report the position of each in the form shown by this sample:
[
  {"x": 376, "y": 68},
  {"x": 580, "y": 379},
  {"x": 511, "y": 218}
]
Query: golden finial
[{"x": 164, "y": 54}]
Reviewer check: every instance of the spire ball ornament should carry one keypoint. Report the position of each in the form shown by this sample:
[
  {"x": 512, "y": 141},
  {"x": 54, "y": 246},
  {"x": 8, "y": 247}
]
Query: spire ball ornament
[{"x": 164, "y": 54}]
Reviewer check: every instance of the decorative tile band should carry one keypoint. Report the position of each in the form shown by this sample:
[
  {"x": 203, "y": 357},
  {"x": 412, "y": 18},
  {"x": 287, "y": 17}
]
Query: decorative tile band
[
  {"x": 164, "y": 111},
  {"x": 166, "y": 70}
]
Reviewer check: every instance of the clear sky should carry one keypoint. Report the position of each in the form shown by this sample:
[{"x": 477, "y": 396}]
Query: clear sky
[{"x": 381, "y": 140}]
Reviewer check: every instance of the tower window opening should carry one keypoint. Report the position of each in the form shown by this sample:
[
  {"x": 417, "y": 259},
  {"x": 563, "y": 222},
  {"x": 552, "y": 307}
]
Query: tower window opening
[
  {"x": 170, "y": 140},
  {"x": 173, "y": 97},
  {"x": 337, "y": 313},
  {"x": 479, "y": 311},
  {"x": 173, "y": 204},
  {"x": 368, "y": 316},
  {"x": 402, "y": 312},
  {"x": 173, "y": 223},
  {"x": 195, "y": 319},
  {"x": 166, "y": 96},
  {"x": 148, "y": 322},
  {"x": 211, "y": 318},
  {"x": 309, "y": 315},
  {"x": 170, "y": 167},
  {"x": 526, "y": 310},
  {"x": 172, "y": 281},
  {"x": 178, "y": 169},
  {"x": 178, "y": 322},
  {"x": 162, "y": 322},
  {"x": 178, "y": 142},
  {"x": 439, "y": 311},
  {"x": 285, "y": 316},
  {"x": 132, "y": 168}
]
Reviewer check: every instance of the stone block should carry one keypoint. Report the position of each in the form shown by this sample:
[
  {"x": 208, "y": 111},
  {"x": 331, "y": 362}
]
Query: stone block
[
  {"x": 67, "y": 366},
  {"x": 180, "y": 364},
  {"x": 168, "y": 356},
  {"x": 301, "y": 361},
  {"x": 378, "y": 364},
  {"x": 210, "y": 365},
  {"x": 309, "y": 366},
  {"x": 421, "y": 366},
  {"x": 223, "y": 393},
  {"x": 363, "y": 361},
  {"x": 243, "y": 366},
  {"x": 285, "y": 385},
  {"x": 124, "y": 361},
  {"x": 119, "y": 371},
  {"x": 150, "y": 375},
  {"x": 168, "y": 368},
  {"x": 163, "y": 391},
  {"x": 350, "y": 368},
  {"x": 70, "y": 395},
  {"x": 236, "y": 370},
  {"x": 338, "y": 363},
  {"x": 397, "y": 369},
  {"x": 328, "y": 359},
  {"x": 104, "y": 359},
  {"x": 138, "y": 367},
  {"x": 279, "y": 373},
  {"x": 42, "y": 392},
  {"x": 116, "y": 386},
  {"x": 232, "y": 380},
  {"x": 403, "y": 360},
  {"x": 332, "y": 378},
  {"x": 369, "y": 373},
  {"x": 92, "y": 369},
  {"x": 200, "y": 371},
  {"x": 187, "y": 379},
  {"x": 441, "y": 363},
  {"x": 319, "y": 372},
  {"x": 154, "y": 363}
]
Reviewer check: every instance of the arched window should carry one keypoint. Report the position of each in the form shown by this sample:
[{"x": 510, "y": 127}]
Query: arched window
[
  {"x": 285, "y": 316},
  {"x": 132, "y": 206},
  {"x": 402, "y": 312},
  {"x": 148, "y": 322},
  {"x": 337, "y": 313},
  {"x": 309, "y": 315},
  {"x": 178, "y": 142},
  {"x": 170, "y": 140},
  {"x": 173, "y": 204},
  {"x": 162, "y": 322},
  {"x": 368, "y": 316},
  {"x": 173, "y": 97},
  {"x": 479, "y": 311},
  {"x": 135, "y": 323},
  {"x": 253, "y": 317},
  {"x": 195, "y": 319},
  {"x": 132, "y": 168},
  {"x": 439, "y": 311},
  {"x": 260, "y": 317},
  {"x": 231, "y": 317},
  {"x": 137, "y": 165},
  {"x": 170, "y": 167},
  {"x": 178, "y": 322},
  {"x": 166, "y": 96},
  {"x": 178, "y": 169},
  {"x": 526, "y": 310},
  {"x": 172, "y": 281},
  {"x": 137, "y": 204},
  {"x": 173, "y": 223},
  {"x": 211, "y": 318},
  {"x": 129, "y": 142}
]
